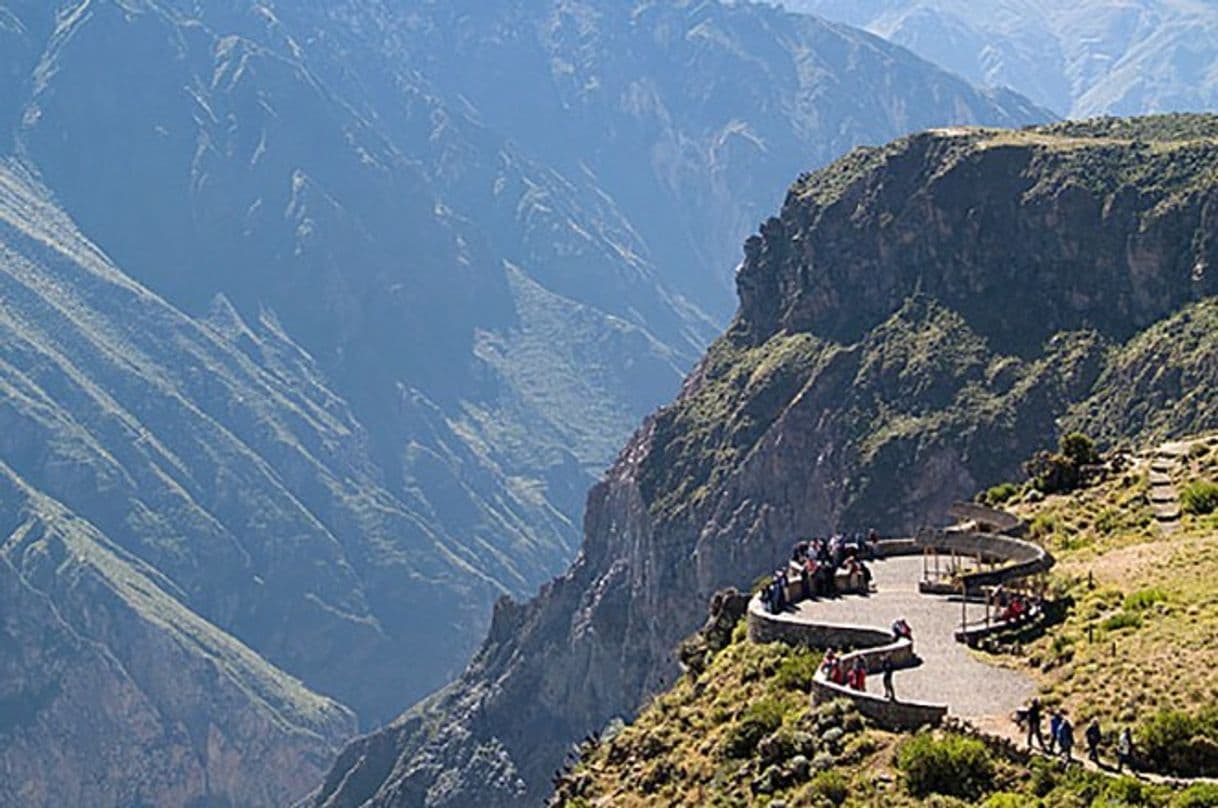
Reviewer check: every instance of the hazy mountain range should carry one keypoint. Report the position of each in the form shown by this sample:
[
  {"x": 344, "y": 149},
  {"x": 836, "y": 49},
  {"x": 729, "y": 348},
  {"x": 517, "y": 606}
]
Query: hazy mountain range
[
  {"x": 318, "y": 320},
  {"x": 1081, "y": 58}
]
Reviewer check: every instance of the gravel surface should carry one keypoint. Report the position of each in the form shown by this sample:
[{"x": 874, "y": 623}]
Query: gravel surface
[{"x": 949, "y": 674}]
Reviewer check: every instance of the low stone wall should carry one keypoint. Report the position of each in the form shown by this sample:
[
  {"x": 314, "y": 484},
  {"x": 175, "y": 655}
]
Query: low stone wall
[
  {"x": 1022, "y": 558},
  {"x": 871, "y": 644},
  {"x": 991, "y": 520},
  {"x": 972, "y": 635},
  {"x": 787, "y": 627},
  {"x": 893, "y": 715}
]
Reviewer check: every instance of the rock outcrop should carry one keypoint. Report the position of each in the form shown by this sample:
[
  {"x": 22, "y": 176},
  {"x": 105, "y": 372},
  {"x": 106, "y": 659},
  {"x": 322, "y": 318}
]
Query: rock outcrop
[{"x": 918, "y": 320}]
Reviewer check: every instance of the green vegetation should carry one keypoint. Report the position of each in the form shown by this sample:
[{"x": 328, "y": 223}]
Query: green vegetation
[
  {"x": 949, "y": 764},
  {"x": 757, "y": 721},
  {"x": 1136, "y": 649},
  {"x": 1063, "y": 470},
  {"x": 1180, "y": 742},
  {"x": 1145, "y": 599},
  {"x": 741, "y": 732},
  {"x": 1199, "y": 498},
  {"x": 704, "y": 436},
  {"x": 1121, "y": 620},
  {"x": 999, "y": 494},
  {"x": 1158, "y": 128}
]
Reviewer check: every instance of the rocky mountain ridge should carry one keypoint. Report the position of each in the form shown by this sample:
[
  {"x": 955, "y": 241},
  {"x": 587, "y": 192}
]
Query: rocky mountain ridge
[
  {"x": 117, "y": 687},
  {"x": 1080, "y": 59},
  {"x": 842, "y": 399}
]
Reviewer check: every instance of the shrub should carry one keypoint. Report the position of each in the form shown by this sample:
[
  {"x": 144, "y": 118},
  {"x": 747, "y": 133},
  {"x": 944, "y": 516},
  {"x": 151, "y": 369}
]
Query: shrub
[
  {"x": 1144, "y": 599},
  {"x": 830, "y": 785},
  {"x": 1079, "y": 448},
  {"x": 759, "y": 719},
  {"x": 1198, "y": 795},
  {"x": 1125, "y": 791},
  {"x": 1000, "y": 493},
  {"x": 1062, "y": 471},
  {"x": 796, "y": 671},
  {"x": 950, "y": 765},
  {"x": 1053, "y": 473},
  {"x": 1199, "y": 498},
  {"x": 1181, "y": 743},
  {"x": 1122, "y": 620}
]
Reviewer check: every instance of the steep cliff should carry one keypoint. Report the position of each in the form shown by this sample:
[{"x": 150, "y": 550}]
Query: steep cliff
[{"x": 918, "y": 319}]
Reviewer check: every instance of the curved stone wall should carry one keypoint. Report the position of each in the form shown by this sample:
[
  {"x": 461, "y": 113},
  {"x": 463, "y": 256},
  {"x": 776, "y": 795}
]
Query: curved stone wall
[
  {"x": 1018, "y": 559},
  {"x": 1022, "y": 558},
  {"x": 871, "y": 644},
  {"x": 990, "y": 520}
]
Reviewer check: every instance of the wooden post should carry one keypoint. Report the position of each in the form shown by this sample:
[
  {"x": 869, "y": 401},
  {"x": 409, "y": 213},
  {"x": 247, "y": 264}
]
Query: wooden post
[{"x": 963, "y": 606}]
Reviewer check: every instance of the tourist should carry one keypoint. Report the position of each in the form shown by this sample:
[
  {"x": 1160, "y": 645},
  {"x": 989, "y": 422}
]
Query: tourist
[
  {"x": 800, "y": 552},
  {"x": 889, "y": 692},
  {"x": 1124, "y": 750},
  {"x": 805, "y": 576},
  {"x": 780, "y": 582},
  {"x": 1055, "y": 726},
  {"x": 837, "y": 549},
  {"x": 840, "y": 674},
  {"x": 859, "y": 674},
  {"x": 901, "y": 629},
  {"x": 1033, "y": 718},
  {"x": 824, "y": 580},
  {"x": 1092, "y": 737},
  {"x": 829, "y": 664},
  {"x": 769, "y": 597},
  {"x": 1065, "y": 738},
  {"x": 854, "y": 575}
]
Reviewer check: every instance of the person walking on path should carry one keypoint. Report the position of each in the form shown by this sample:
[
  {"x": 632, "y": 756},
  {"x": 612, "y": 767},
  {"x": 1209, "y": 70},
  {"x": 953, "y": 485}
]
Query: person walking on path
[
  {"x": 1124, "y": 750},
  {"x": 889, "y": 692},
  {"x": 1033, "y": 717},
  {"x": 1065, "y": 739},
  {"x": 1055, "y": 728},
  {"x": 1092, "y": 737}
]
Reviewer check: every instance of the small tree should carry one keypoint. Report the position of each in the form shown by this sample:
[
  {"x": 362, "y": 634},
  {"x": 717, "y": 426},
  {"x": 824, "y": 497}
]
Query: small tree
[
  {"x": 1199, "y": 498},
  {"x": 1062, "y": 471},
  {"x": 1079, "y": 448}
]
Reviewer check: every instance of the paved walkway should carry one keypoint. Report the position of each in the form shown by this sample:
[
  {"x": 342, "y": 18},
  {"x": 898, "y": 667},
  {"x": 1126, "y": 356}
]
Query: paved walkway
[{"x": 949, "y": 674}]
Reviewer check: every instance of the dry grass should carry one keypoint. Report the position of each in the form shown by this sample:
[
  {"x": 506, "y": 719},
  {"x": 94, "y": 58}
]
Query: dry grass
[{"x": 1145, "y": 609}]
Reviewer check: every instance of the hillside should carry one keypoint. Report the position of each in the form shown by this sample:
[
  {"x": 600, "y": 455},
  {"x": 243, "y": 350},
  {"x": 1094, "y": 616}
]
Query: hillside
[
  {"x": 1132, "y": 650},
  {"x": 467, "y": 318},
  {"x": 1079, "y": 59},
  {"x": 121, "y": 680},
  {"x": 882, "y": 365}
]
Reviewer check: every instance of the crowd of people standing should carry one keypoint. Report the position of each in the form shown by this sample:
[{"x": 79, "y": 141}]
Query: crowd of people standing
[{"x": 816, "y": 563}]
